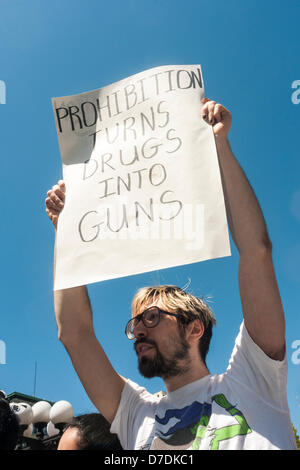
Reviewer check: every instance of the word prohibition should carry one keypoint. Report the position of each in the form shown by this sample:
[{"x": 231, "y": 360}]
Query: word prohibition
[{"x": 89, "y": 112}]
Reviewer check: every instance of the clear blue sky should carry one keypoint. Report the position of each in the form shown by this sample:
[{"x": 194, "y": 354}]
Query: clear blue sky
[{"x": 249, "y": 52}]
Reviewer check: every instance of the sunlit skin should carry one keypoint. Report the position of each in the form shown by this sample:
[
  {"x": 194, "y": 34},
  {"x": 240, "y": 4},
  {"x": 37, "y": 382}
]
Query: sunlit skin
[
  {"x": 69, "y": 440},
  {"x": 166, "y": 336}
]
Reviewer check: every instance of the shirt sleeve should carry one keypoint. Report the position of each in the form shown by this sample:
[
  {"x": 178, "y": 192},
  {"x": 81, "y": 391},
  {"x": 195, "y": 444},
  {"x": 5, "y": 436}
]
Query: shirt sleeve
[
  {"x": 134, "y": 420},
  {"x": 252, "y": 368}
]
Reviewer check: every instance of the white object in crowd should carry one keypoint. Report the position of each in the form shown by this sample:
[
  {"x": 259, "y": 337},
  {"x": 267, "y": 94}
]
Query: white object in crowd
[
  {"x": 61, "y": 412},
  {"x": 41, "y": 411}
]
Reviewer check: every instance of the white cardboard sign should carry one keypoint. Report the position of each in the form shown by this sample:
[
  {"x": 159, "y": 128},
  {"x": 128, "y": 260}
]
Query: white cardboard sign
[{"x": 143, "y": 183}]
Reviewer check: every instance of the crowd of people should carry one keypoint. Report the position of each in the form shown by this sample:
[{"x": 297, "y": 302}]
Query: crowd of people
[
  {"x": 245, "y": 407},
  {"x": 88, "y": 431}
]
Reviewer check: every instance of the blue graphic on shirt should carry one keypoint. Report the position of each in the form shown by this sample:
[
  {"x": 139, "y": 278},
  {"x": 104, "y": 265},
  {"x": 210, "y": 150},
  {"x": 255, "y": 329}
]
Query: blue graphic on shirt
[{"x": 188, "y": 416}]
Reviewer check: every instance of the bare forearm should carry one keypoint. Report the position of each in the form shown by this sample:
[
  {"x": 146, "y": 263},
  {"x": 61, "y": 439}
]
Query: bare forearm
[
  {"x": 73, "y": 313},
  {"x": 75, "y": 329},
  {"x": 246, "y": 220},
  {"x": 262, "y": 308}
]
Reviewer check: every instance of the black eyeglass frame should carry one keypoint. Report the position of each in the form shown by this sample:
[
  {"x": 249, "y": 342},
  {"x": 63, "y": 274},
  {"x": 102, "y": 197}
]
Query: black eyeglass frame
[{"x": 141, "y": 317}]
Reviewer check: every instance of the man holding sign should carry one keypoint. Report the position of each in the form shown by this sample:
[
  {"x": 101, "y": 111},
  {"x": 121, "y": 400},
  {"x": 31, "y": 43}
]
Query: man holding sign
[{"x": 244, "y": 408}]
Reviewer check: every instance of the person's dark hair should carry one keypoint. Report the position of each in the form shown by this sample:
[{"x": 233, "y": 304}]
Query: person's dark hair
[
  {"x": 94, "y": 432},
  {"x": 9, "y": 426}
]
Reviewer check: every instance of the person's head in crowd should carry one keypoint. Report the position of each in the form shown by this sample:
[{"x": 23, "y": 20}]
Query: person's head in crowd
[
  {"x": 9, "y": 425},
  {"x": 89, "y": 432}
]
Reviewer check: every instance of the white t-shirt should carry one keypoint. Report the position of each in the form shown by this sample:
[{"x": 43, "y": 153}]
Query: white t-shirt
[{"x": 244, "y": 408}]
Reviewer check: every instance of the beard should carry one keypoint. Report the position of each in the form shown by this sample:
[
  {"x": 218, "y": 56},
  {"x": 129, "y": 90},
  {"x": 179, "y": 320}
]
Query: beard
[{"x": 177, "y": 363}]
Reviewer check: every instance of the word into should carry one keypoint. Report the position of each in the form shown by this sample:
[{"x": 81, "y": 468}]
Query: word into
[
  {"x": 2, "y": 92},
  {"x": 2, "y": 352}
]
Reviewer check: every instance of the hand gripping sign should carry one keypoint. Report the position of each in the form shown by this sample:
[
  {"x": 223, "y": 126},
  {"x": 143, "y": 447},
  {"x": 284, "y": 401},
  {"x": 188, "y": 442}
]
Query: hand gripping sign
[{"x": 143, "y": 187}]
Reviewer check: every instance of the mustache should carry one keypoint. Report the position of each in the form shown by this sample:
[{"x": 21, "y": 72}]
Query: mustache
[{"x": 145, "y": 341}]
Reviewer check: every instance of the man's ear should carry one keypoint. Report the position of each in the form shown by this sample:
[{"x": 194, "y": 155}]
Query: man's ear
[{"x": 194, "y": 331}]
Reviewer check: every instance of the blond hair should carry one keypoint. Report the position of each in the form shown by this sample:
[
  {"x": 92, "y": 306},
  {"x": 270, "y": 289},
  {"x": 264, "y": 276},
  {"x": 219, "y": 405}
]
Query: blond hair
[{"x": 176, "y": 300}]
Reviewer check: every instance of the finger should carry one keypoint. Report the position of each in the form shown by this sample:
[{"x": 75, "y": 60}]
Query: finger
[
  {"x": 205, "y": 108},
  {"x": 218, "y": 112},
  {"x": 211, "y": 106},
  {"x": 54, "y": 220},
  {"x": 60, "y": 194},
  {"x": 52, "y": 209},
  {"x": 62, "y": 185},
  {"x": 57, "y": 195},
  {"x": 51, "y": 213},
  {"x": 52, "y": 217},
  {"x": 225, "y": 113},
  {"x": 49, "y": 203},
  {"x": 60, "y": 189},
  {"x": 54, "y": 202},
  {"x": 205, "y": 111}
]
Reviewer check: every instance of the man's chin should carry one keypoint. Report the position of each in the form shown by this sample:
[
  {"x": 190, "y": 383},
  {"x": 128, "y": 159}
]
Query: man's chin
[{"x": 148, "y": 367}]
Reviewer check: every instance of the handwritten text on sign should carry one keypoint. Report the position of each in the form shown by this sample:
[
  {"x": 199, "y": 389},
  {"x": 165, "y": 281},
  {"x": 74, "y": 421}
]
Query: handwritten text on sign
[{"x": 138, "y": 161}]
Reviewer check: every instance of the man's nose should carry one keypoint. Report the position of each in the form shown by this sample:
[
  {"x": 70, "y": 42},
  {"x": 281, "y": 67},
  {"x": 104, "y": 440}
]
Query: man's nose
[{"x": 140, "y": 331}]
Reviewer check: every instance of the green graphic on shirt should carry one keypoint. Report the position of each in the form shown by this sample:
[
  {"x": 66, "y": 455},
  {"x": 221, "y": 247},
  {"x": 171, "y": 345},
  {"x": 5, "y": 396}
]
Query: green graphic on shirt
[
  {"x": 199, "y": 429},
  {"x": 221, "y": 434}
]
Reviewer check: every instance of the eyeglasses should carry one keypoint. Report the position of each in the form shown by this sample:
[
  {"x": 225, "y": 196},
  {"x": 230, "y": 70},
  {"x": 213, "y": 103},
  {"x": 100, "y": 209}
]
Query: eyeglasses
[{"x": 150, "y": 318}]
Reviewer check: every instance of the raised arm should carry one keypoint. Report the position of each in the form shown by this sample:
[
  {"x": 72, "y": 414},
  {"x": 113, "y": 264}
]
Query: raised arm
[
  {"x": 75, "y": 330},
  {"x": 261, "y": 302}
]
